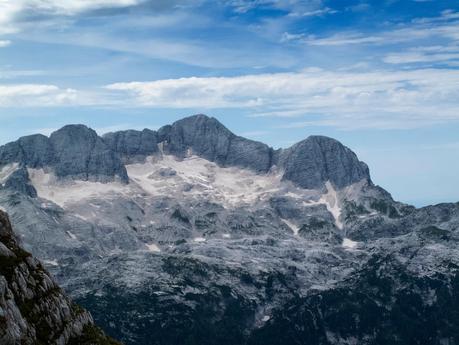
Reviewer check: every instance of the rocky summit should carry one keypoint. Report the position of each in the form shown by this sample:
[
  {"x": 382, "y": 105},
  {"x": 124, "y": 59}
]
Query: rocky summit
[{"x": 193, "y": 235}]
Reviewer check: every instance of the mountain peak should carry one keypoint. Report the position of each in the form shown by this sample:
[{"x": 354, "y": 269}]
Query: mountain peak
[
  {"x": 74, "y": 151},
  {"x": 75, "y": 128},
  {"x": 203, "y": 124},
  {"x": 208, "y": 138},
  {"x": 318, "y": 159}
]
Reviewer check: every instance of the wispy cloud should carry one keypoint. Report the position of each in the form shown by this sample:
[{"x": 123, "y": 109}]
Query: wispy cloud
[
  {"x": 382, "y": 99},
  {"x": 314, "y": 13},
  {"x": 37, "y": 95},
  {"x": 11, "y": 73},
  {"x": 295, "y": 7},
  {"x": 15, "y": 15},
  {"x": 4, "y": 43},
  {"x": 445, "y": 26}
]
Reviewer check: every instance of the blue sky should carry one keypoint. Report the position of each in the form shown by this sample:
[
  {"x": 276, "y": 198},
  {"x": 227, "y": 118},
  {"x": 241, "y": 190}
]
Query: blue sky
[{"x": 381, "y": 76}]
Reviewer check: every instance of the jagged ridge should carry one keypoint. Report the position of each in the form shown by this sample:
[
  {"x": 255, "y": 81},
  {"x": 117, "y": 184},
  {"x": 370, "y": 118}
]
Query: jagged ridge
[{"x": 77, "y": 152}]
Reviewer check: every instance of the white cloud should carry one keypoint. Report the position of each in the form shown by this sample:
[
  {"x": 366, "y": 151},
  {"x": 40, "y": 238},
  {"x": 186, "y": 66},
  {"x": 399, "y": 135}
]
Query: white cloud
[
  {"x": 344, "y": 99},
  {"x": 26, "y": 95},
  {"x": 295, "y": 7},
  {"x": 12, "y": 13},
  {"x": 380, "y": 99},
  {"x": 445, "y": 26},
  {"x": 437, "y": 53},
  {"x": 195, "y": 52},
  {"x": 4, "y": 43},
  {"x": 60, "y": 7},
  {"x": 314, "y": 13},
  {"x": 8, "y": 73},
  {"x": 413, "y": 57}
]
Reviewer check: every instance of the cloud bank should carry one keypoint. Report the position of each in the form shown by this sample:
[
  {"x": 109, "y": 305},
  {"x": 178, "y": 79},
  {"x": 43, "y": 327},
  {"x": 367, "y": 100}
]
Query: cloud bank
[{"x": 381, "y": 99}]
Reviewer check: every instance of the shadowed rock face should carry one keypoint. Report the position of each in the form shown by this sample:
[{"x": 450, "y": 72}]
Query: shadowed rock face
[
  {"x": 19, "y": 181},
  {"x": 33, "y": 309},
  {"x": 34, "y": 151},
  {"x": 318, "y": 159},
  {"x": 133, "y": 146},
  {"x": 209, "y": 139},
  {"x": 80, "y": 153},
  {"x": 74, "y": 151}
]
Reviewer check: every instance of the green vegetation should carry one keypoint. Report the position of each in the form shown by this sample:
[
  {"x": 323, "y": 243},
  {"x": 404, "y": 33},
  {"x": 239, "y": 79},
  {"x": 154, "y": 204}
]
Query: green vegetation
[
  {"x": 435, "y": 233},
  {"x": 384, "y": 207},
  {"x": 92, "y": 336}
]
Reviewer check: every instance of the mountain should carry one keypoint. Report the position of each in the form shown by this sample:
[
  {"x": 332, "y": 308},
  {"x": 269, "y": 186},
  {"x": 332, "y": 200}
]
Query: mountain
[
  {"x": 193, "y": 235},
  {"x": 33, "y": 309}
]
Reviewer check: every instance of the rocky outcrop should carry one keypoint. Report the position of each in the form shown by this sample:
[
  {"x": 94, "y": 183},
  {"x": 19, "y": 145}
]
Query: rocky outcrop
[
  {"x": 80, "y": 153},
  {"x": 33, "y": 309},
  {"x": 318, "y": 159},
  {"x": 19, "y": 181},
  {"x": 133, "y": 146},
  {"x": 73, "y": 152},
  {"x": 34, "y": 151},
  {"x": 206, "y": 137}
]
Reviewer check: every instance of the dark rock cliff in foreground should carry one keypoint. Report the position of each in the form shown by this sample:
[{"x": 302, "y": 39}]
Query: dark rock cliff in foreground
[{"x": 33, "y": 309}]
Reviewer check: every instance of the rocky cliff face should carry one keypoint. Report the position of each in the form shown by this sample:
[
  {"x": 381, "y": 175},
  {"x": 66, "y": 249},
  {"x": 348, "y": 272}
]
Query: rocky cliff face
[
  {"x": 78, "y": 153},
  {"x": 73, "y": 152},
  {"x": 133, "y": 146},
  {"x": 33, "y": 309},
  {"x": 211, "y": 238},
  {"x": 316, "y": 160},
  {"x": 207, "y": 138}
]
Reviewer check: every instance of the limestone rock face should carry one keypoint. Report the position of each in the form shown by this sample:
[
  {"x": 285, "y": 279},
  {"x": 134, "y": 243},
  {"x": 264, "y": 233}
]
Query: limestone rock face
[
  {"x": 73, "y": 152},
  {"x": 318, "y": 159},
  {"x": 133, "y": 146},
  {"x": 207, "y": 138},
  {"x": 80, "y": 153},
  {"x": 77, "y": 152},
  {"x": 220, "y": 240},
  {"x": 19, "y": 181},
  {"x": 33, "y": 150},
  {"x": 33, "y": 309}
]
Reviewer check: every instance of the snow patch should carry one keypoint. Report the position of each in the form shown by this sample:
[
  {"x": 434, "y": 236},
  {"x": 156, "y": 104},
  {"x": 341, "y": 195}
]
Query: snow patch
[
  {"x": 6, "y": 172},
  {"x": 193, "y": 177},
  {"x": 199, "y": 239},
  {"x": 51, "y": 262},
  {"x": 153, "y": 248},
  {"x": 330, "y": 200},
  {"x": 197, "y": 177},
  {"x": 349, "y": 244},
  {"x": 71, "y": 235},
  {"x": 226, "y": 235},
  {"x": 292, "y": 226},
  {"x": 64, "y": 193}
]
